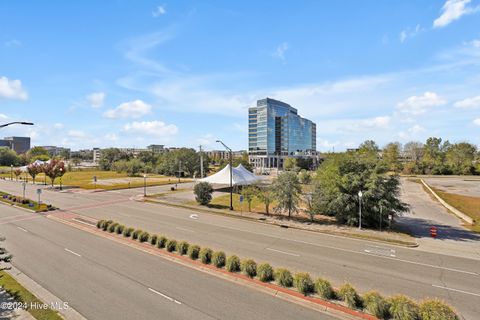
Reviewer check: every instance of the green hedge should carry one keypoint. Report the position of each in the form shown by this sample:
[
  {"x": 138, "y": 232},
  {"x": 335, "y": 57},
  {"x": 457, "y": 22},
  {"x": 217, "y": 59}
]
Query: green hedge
[
  {"x": 233, "y": 264},
  {"x": 162, "y": 242},
  {"x": 119, "y": 229},
  {"x": 324, "y": 289},
  {"x": 206, "y": 255},
  {"x": 182, "y": 247},
  {"x": 153, "y": 240},
  {"x": 376, "y": 305},
  {"x": 304, "y": 283},
  {"x": 219, "y": 259},
  {"x": 249, "y": 268},
  {"x": 265, "y": 272},
  {"x": 434, "y": 309},
  {"x": 283, "y": 277},
  {"x": 171, "y": 245},
  {"x": 348, "y": 294},
  {"x": 128, "y": 232},
  {"x": 193, "y": 252},
  {"x": 402, "y": 308},
  {"x": 136, "y": 234}
]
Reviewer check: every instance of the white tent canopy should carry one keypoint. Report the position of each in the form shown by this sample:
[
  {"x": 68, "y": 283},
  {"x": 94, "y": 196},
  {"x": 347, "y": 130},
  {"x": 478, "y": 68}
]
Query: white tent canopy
[{"x": 240, "y": 176}]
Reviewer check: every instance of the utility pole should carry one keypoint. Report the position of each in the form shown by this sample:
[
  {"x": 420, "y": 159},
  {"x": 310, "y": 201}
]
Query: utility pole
[
  {"x": 201, "y": 162},
  {"x": 231, "y": 172},
  {"x": 179, "y": 169}
]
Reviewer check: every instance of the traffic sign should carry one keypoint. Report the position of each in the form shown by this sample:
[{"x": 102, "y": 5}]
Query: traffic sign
[
  {"x": 241, "y": 198},
  {"x": 39, "y": 191},
  {"x": 94, "y": 178}
]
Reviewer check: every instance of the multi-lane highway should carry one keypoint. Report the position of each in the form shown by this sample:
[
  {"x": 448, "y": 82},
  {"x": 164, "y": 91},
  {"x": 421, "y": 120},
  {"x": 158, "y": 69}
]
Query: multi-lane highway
[{"x": 368, "y": 265}]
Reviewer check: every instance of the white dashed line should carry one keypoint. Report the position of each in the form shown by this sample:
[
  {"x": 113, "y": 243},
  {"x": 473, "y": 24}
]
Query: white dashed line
[
  {"x": 164, "y": 296},
  {"x": 24, "y": 230},
  {"x": 456, "y": 290},
  {"x": 194, "y": 216},
  {"x": 279, "y": 251},
  {"x": 72, "y": 252}
]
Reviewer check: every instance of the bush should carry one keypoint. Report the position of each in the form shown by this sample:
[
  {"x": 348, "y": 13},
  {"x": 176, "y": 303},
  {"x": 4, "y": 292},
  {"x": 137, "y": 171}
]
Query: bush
[
  {"x": 324, "y": 289},
  {"x": 144, "y": 236},
  {"x": 203, "y": 192},
  {"x": 348, "y": 294},
  {"x": 112, "y": 226},
  {"x": 182, "y": 247},
  {"x": 128, "y": 232},
  {"x": 153, "y": 239},
  {"x": 193, "y": 252},
  {"x": 249, "y": 268},
  {"x": 100, "y": 224},
  {"x": 206, "y": 255},
  {"x": 434, "y": 309},
  {"x": 233, "y": 264},
  {"x": 304, "y": 283},
  {"x": 402, "y": 308},
  {"x": 162, "y": 242},
  {"x": 106, "y": 224},
  {"x": 136, "y": 234},
  {"x": 119, "y": 229},
  {"x": 283, "y": 277},
  {"x": 218, "y": 259},
  {"x": 265, "y": 272},
  {"x": 171, "y": 245},
  {"x": 376, "y": 304}
]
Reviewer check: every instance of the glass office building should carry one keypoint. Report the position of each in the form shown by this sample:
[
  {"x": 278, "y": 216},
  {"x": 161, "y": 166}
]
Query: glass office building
[{"x": 276, "y": 131}]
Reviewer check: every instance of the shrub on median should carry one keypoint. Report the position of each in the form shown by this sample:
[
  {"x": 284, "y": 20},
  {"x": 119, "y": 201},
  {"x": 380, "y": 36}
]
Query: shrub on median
[
  {"x": 206, "y": 255},
  {"x": 218, "y": 259},
  {"x": 182, "y": 247},
  {"x": 119, "y": 229},
  {"x": 127, "y": 232},
  {"x": 265, "y": 272},
  {"x": 303, "y": 282},
  {"x": 100, "y": 224},
  {"x": 249, "y": 268},
  {"x": 434, "y": 309},
  {"x": 162, "y": 242},
  {"x": 402, "y": 308},
  {"x": 112, "y": 227},
  {"x": 171, "y": 245},
  {"x": 106, "y": 224},
  {"x": 136, "y": 234},
  {"x": 153, "y": 239},
  {"x": 193, "y": 252},
  {"x": 376, "y": 304},
  {"x": 233, "y": 264},
  {"x": 283, "y": 277},
  {"x": 324, "y": 289},
  {"x": 348, "y": 294},
  {"x": 143, "y": 236}
]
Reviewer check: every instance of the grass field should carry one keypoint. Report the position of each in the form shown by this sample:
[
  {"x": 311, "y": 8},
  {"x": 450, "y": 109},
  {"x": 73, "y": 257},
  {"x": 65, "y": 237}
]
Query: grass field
[
  {"x": 106, "y": 180},
  {"x": 21, "y": 294},
  {"x": 468, "y": 205}
]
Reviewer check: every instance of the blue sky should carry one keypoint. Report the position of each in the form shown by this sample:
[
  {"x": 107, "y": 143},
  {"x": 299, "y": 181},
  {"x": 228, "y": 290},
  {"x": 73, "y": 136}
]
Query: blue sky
[{"x": 183, "y": 73}]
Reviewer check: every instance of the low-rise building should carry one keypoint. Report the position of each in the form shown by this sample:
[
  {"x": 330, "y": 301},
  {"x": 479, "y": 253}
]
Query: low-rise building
[{"x": 18, "y": 144}]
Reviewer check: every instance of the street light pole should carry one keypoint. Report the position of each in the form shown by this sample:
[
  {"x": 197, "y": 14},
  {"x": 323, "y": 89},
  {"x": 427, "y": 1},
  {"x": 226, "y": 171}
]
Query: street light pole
[
  {"x": 360, "y": 195},
  {"x": 61, "y": 175},
  {"x": 201, "y": 163},
  {"x": 16, "y": 122},
  {"x": 145, "y": 185},
  {"x": 231, "y": 173},
  {"x": 11, "y": 172}
]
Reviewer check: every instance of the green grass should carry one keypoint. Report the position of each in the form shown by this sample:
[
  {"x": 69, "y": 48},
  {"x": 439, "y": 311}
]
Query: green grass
[
  {"x": 23, "y": 295},
  {"x": 223, "y": 202}
]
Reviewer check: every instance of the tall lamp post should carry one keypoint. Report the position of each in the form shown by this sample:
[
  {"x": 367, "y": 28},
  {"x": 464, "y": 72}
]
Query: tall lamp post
[
  {"x": 11, "y": 172},
  {"x": 61, "y": 175},
  {"x": 145, "y": 185},
  {"x": 231, "y": 173},
  {"x": 360, "y": 195}
]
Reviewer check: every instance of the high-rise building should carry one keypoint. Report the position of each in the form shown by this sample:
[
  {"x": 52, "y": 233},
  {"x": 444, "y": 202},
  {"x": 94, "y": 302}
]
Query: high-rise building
[
  {"x": 18, "y": 144},
  {"x": 276, "y": 131}
]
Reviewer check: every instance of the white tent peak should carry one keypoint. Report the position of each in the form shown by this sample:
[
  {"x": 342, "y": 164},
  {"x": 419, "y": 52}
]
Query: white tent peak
[{"x": 240, "y": 176}]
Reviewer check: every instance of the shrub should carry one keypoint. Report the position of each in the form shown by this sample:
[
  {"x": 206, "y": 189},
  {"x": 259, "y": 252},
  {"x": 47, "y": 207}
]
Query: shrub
[
  {"x": 249, "y": 268},
  {"x": 265, "y": 272},
  {"x": 376, "y": 304},
  {"x": 434, "y": 309},
  {"x": 106, "y": 224},
  {"x": 136, "y": 234},
  {"x": 128, "y": 232},
  {"x": 119, "y": 229},
  {"x": 162, "y": 242},
  {"x": 112, "y": 226},
  {"x": 182, "y": 247},
  {"x": 100, "y": 223},
  {"x": 193, "y": 252},
  {"x": 218, "y": 259},
  {"x": 402, "y": 308},
  {"x": 348, "y": 294},
  {"x": 304, "y": 283},
  {"x": 144, "y": 236},
  {"x": 171, "y": 245},
  {"x": 203, "y": 192},
  {"x": 324, "y": 289},
  {"x": 284, "y": 277},
  {"x": 233, "y": 264},
  {"x": 206, "y": 255},
  {"x": 153, "y": 239}
]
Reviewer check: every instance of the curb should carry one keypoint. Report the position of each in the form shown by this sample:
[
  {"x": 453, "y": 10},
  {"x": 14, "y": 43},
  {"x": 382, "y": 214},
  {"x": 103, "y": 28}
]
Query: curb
[
  {"x": 314, "y": 303},
  {"x": 177, "y": 205},
  {"x": 455, "y": 211}
]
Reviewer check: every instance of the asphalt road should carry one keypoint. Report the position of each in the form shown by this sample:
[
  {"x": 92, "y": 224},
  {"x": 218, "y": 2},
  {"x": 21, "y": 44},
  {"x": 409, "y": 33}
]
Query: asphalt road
[
  {"x": 367, "y": 265},
  {"x": 103, "y": 279}
]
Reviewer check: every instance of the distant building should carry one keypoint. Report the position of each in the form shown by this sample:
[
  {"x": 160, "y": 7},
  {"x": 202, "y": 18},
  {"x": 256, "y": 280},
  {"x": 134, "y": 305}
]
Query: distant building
[
  {"x": 97, "y": 154},
  {"x": 18, "y": 144},
  {"x": 156, "y": 148},
  {"x": 223, "y": 154},
  {"x": 276, "y": 132},
  {"x": 54, "y": 151}
]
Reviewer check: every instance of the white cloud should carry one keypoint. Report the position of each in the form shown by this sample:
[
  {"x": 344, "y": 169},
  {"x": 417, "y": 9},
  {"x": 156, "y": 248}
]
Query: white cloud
[
  {"x": 280, "y": 51},
  {"x": 77, "y": 134},
  {"x": 410, "y": 33},
  {"x": 152, "y": 128},
  {"x": 96, "y": 99},
  {"x": 159, "y": 11},
  {"x": 453, "y": 10},
  {"x": 476, "y": 122},
  {"x": 468, "y": 103},
  {"x": 207, "y": 140},
  {"x": 58, "y": 126},
  {"x": 12, "y": 89},
  {"x": 3, "y": 116},
  {"x": 132, "y": 109},
  {"x": 475, "y": 43},
  {"x": 111, "y": 137},
  {"x": 12, "y": 43},
  {"x": 416, "y": 105},
  {"x": 411, "y": 133},
  {"x": 372, "y": 123}
]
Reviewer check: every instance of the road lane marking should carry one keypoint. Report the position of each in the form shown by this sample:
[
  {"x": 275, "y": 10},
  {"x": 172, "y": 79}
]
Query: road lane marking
[
  {"x": 87, "y": 223},
  {"x": 194, "y": 216},
  {"x": 279, "y": 251},
  {"x": 24, "y": 230},
  {"x": 165, "y": 296},
  {"x": 72, "y": 252},
  {"x": 456, "y": 290},
  {"x": 183, "y": 229}
]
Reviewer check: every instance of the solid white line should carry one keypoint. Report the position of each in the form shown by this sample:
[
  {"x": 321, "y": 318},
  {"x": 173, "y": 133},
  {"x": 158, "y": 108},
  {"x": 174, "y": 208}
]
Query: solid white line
[
  {"x": 80, "y": 221},
  {"x": 72, "y": 252},
  {"x": 456, "y": 290},
  {"x": 279, "y": 251},
  {"x": 165, "y": 296},
  {"x": 22, "y": 229},
  {"x": 188, "y": 230}
]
